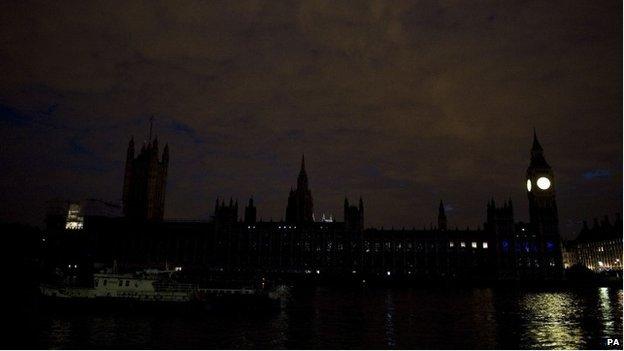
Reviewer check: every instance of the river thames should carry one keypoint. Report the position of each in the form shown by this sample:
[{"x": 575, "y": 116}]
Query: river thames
[{"x": 361, "y": 318}]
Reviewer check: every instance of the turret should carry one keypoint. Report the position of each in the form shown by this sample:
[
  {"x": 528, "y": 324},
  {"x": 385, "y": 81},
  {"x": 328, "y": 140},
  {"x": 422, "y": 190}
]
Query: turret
[
  {"x": 354, "y": 216},
  {"x": 226, "y": 215},
  {"x": 250, "y": 212},
  {"x": 441, "y": 217},
  {"x": 145, "y": 181}
]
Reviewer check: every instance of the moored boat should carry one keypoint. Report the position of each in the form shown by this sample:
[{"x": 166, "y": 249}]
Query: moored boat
[{"x": 158, "y": 287}]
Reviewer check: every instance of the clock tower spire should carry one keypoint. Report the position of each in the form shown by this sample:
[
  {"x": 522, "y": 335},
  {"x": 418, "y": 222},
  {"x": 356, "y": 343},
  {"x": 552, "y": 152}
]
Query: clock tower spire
[{"x": 543, "y": 214}]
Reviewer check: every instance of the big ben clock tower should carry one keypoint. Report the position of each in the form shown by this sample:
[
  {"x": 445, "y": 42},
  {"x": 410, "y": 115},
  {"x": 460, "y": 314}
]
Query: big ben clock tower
[{"x": 544, "y": 219}]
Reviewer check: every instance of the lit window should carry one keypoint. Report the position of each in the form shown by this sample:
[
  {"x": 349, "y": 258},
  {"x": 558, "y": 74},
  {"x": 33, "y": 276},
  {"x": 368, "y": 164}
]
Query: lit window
[
  {"x": 74, "y": 220},
  {"x": 451, "y": 244},
  {"x": 73, "y": 225},
  {"x": 462, "y": 244},
  {"x": 485, "y": 245},
  {"x": 474, "y": 244}
]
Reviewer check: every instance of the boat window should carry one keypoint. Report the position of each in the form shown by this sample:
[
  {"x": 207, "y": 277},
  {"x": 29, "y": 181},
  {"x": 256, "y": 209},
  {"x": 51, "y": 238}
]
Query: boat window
[
  {"x": 120, "y": 282},
  {"x": 104, "y": 282},
  {"x": 127, "y": 282},
  {"x": 96, "y": 282}
]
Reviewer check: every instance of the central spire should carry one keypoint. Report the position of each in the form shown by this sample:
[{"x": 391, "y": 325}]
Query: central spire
[
  {"x": 302, "y": 180},
  {"x": 299, "y": 209},
  {"x": 302, "y": 170}
]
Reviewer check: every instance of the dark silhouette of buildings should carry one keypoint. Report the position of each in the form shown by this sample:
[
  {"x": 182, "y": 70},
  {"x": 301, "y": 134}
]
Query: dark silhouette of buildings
[
  {"x": 354, "y": 216},
  {"x": 145, "y": 182},
  {"x": 299, "y": 245},
  {"x": 598, "y": 248},
  {"x": 226, "y": 214},
  {"x": 300, "y": 208},
  {"x": 533, "y": 250},
  {"x": 250, "y": 212},
  {"x": 507, "y": 243}
]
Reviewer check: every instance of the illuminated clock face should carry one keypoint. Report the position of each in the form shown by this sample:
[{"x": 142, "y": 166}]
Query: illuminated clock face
[
  {"x": 528, "y": 184},
  {"x": 543, "y": 183}
]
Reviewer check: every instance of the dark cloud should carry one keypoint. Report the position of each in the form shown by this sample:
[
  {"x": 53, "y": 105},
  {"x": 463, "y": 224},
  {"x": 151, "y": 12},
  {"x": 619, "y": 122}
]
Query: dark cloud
[{"x": 403, "y": 103}]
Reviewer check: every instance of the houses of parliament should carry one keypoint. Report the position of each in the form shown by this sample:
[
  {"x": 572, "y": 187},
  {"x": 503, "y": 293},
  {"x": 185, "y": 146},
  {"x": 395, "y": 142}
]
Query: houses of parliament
[{"x": 299, "y": 245}]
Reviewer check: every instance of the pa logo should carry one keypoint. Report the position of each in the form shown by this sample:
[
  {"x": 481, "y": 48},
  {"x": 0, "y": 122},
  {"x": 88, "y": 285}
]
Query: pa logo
[{"x": 613, "y": 342}]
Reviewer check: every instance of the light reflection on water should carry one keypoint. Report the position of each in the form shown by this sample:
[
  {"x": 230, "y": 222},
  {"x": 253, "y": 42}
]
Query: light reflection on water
[
  {"x": 389, "y": 322},
  {"x": 552, "y": 320},
  {"x": 607, "y": 311},
  {"x": 357, "y": 318}
]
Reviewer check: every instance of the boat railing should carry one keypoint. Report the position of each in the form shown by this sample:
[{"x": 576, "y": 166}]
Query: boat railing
[
  {"x": 177, "y": 287},
  {"x": 228, "y": 291},
  {"x": 148, "y": 294}
]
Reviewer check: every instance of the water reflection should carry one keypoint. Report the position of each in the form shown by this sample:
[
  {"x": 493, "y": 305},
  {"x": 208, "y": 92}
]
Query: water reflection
[
  {"x": 442, "y": 318},
  {"x": 607, "y": 311},
  {"x": 59, "y": 333},
  {"x": 389, "y": 321},
  {"x": 551, "y": 320}
]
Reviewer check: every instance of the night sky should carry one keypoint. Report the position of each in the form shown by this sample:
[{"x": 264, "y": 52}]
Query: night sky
[{"x": 402, "y": 103}]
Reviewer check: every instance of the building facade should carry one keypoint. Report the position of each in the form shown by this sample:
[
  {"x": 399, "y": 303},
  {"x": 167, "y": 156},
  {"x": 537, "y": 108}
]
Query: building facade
[
  {"x": 502, "y": 250},
  {"x": 598, "y": 248}
]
